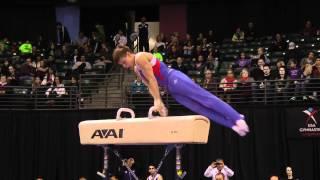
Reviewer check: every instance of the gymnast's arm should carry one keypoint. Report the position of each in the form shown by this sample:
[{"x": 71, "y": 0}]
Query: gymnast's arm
[{"x": 152, "y": 84}]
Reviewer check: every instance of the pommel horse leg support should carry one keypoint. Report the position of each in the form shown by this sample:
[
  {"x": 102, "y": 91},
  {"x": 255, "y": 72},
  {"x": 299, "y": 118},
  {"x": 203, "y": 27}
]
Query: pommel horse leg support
[
  {"x": 192, "y": 129},
  {"x": 104, "y": 173},
  {"x": 180, "y": 174}
]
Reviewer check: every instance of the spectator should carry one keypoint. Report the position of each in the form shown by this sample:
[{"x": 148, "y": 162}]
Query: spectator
[
  {"x": 198, "y": 52},
  {"x": 315, "y": 82},
  {"x": 281, "y": 85},
  {"x": 120, "y": 39},
  {"x": 143, "y": 35},
  {"x": 104, "y": 50},
  {"x": 217, "y": 167},
  {"x": 295, "y": 74},
  {"x": 137, "y": 87},
  {"x": 257, "y": 72},
  {"x": 25, "y": 48},
  {"x": 157, "y": 54},
  {"x": 308, "y": 29},
  {"x": 154, "y": 175},
  {"x": 200, "y": 64},
  {"x": 261, "y": 55},
  {"x": 292, "y": 52},
  {"x": 209, "y": 82},
  {"x": 212, "y": 63},
  {"x": 179, "y": 65},
  {"x": 280, "y": 63},
  {"x": 188, "y": 39},
  {"x": 3, "y": 84},
  {"x": 95, "y": 41},
  {"x": 264, "y": 85},
  {"x": 213, "y": 52},
  {"x": 57, "y": 89},
  {"x": 74, "y": 81},
  {"x": 188, "y": 50},
  {"x": 62, "y": 35},
  {"x": 307, "y": 83},
  {"x": 173, "y": 53},
  {"x": 250, "y": 32},
  {"x": 82, "y": 40},
  {"x": 27, "y": 70},
  {"x": 278, "y": 44},
  {"x": 289, "y": 174},
  {"x": 210, "y": 37},
  {"x": 41, "y": 69},
  {"x": 238, "y": 36},
  {"x": 12, "y": 76},
  {"x": 310, "y": 59},
  {"x": 243, "y": 61},
  {"x": 204, "y": 45},
  {"x": 48, "y": 79},
  {"x": 245, "y": 86},
  {"x": 267, "y": 73},
  {"x": 81, "y": 66},
  {"x": 5, "y": 68},
  {"x": 108, "y": 63},
  {"x": 228, "y": 84},
  {"x": 36, "y": 83},
  {"x": 160, "y": 44}
]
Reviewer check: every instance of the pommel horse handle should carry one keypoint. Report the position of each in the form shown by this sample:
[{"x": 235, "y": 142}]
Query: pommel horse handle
[
  {"x": 125, "y": 110},
  {"x": 152, "y": 109}
]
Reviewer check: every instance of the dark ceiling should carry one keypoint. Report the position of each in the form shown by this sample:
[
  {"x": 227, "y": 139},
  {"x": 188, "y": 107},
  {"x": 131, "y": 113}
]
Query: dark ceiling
[{"x": 97, "y": 2}]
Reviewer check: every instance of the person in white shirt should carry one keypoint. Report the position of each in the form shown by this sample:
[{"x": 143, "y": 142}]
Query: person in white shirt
[
  {"x": 57, "y": 89},
  {"x": 154, "y": 173},
  {"x": 217, "y": 167},
  {"x": 82, "y": 65},
  {"x": 120, "y": 39}
]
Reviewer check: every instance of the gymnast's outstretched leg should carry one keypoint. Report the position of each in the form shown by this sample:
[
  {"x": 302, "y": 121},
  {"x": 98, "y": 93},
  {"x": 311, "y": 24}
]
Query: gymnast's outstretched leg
[{"x": 197, "y": 99}]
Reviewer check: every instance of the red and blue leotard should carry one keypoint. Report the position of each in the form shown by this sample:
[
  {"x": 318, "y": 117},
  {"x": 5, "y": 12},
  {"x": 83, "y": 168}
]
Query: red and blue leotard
[{"x": 192, "y": 96}]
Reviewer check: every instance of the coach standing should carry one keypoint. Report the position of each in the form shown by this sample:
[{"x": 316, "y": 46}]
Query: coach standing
[{"x": 143, "y": 35}]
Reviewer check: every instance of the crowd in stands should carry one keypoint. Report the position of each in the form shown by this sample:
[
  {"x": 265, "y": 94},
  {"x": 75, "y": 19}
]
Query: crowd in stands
[
  {"x": 48, "y": 67},
  {"x": 245, "y": 61},
  {"x": 285, "y": 65}
]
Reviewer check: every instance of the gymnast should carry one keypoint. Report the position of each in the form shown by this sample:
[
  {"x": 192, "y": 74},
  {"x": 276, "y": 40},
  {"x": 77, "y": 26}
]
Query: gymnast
[{"x": 155, "y": 73}]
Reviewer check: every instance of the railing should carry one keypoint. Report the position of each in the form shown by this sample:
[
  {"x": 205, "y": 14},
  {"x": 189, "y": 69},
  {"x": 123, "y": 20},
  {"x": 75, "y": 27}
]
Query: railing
[
  {"x": 240, "y": 93},
  {"x": 26, "y": 97},
  {"x": 102, "y": 91}
]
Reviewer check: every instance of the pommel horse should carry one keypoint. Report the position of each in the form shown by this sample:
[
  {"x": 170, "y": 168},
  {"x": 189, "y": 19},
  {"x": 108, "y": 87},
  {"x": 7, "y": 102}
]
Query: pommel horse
[{"x": 174, "y": 131}]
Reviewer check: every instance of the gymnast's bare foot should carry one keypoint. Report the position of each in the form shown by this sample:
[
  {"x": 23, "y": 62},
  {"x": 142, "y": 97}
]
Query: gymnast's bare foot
[{"x": 241, "y": 127}]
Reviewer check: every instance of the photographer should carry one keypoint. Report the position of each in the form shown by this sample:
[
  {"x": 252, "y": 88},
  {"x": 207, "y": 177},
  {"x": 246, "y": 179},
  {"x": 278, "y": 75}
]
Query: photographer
[{"x": 218, "y": 167}]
